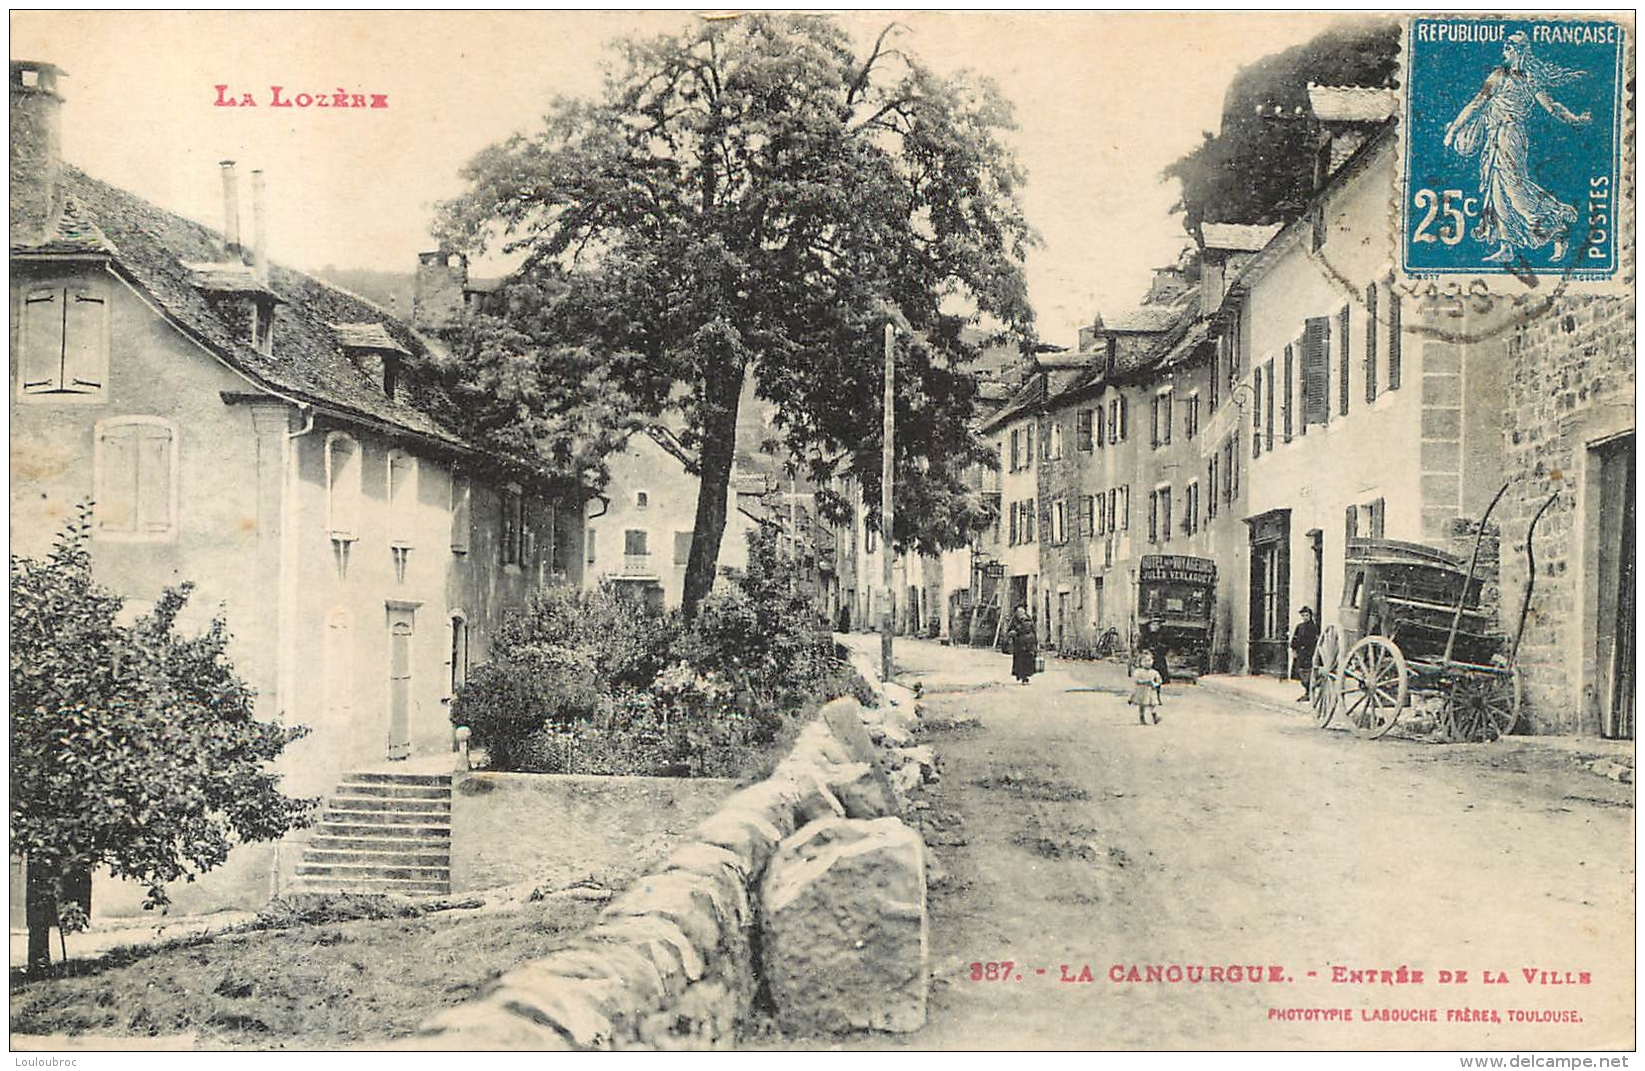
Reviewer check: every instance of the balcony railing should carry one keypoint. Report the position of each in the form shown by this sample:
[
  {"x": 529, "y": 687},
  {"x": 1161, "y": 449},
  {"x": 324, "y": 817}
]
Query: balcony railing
[{"x": 638, "y": 565}]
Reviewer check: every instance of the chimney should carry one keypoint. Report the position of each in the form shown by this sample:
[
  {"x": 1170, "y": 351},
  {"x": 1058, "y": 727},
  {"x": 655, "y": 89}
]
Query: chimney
[
  {"x": 437, "y": 299},
  {"x": 36, "y": 151},
  {"x": 231, "y": 211},
  {"x": 259, "y": 226}
]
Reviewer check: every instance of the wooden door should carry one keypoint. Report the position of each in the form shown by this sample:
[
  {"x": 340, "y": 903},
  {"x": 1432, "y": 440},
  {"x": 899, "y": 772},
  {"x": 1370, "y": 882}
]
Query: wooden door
[
  {"x": 1270, "y": 591},
  {"x": 1614, "y": 656},
  {"x": 399, "y": 685}
]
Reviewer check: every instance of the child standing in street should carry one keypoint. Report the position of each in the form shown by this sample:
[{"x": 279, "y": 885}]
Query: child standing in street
[{"x": 1145, "y": 688}]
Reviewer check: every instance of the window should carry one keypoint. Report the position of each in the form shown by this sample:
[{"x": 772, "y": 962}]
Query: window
[
  {"x": 1054, "y": 441},
  {"x": 1088, "y": 511},
  {"x": 1393, "y": 339},
  {"x": 1211, "y": 485},
  {"x": 1028, "y": 450},
  {"x": 461, "y": 513},
  {"x": 1160, "y": 432},
  {"x": 513, "y": 527},
  {"x": 636, "y": 545},
  {"x": 1125, "y": 507},
  {"x": 1083, "y": 421},
  {"x": 402, "y": 499},
  {"x": 1316, "y": 372},
  {"x": 682, "y": 548},
  {"x": 1029, "y": 518},
  {"x": 1101, "y": 425},
  {"x": 1059, "y": 522},
  {"x": 1012, "y": 534},
  {"x": 642, "y": 499},
  {"x": 1190, "y": 422},
  {"x": 1216, "y": 381},
  {"x": 64, "y": 344},
  {"x": 1165, "y": 514},
  {"x": 1190, "y": 508},
  {"x": 1371, "y": 343},
  {"x": 1016, "y": 449},
  {"x": 1113, "y": 509},
  {"x": 459, "y": 652},
  {"x": 342, "y": 487},
  {"x": 1153, "y": 517},
  {"x": 1344, "y": 323},
  {"x": 1290, "y": 374},
  {"x": 391, "y": 373},
  {"x": 1124, "y": 418},
  {"x": 134, "y": 467}
]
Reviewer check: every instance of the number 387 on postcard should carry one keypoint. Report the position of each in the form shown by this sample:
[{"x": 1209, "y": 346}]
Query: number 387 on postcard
[{"x": 1511, "y": 146}]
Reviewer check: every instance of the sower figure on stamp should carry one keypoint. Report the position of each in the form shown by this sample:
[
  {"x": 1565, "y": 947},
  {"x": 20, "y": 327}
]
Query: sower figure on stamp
[
  {"x": 1515, "y": 212},
  {"x": 1303, "y": 641},
  {"x": 1025, "y": 644}
]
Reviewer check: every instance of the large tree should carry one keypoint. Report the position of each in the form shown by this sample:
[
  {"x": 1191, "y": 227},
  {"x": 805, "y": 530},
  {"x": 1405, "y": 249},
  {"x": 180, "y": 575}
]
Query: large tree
[
  {"x": 132, "y": 746},
  {"x": 758, "y": 196}
]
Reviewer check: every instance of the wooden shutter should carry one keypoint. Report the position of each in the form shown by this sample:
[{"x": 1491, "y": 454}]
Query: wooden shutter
[
  {"x": 402, "y": 497},
  {"x": 154, "y": 455},
  {"x": 117, "y": 487},
  {"x": 1290, "y": 376},
  {"x": 635, "y": 541},
  {"x": 1371, "y": 343},
  {"x": 343, "y": 490},
  {"x": 1125, "y": 417},
  {"x": 1316, "y": 371},
  {"x": 42, "y": 358},
  {"x": 1125, "y": 507},
  {"x": 682, "y": 548},
  {"x": 1153, "y": 517},
  {"x": 1393, "y": 339},
  {"x": 1256, "y": 411},
  {"x": 1344, "y": 319},
  {"x": 1268, "y": 414},
  {"x": 85, "y": 334}
]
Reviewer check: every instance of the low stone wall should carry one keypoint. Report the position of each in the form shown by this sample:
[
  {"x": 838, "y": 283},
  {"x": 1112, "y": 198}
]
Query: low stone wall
[
  {"x": 556, "y": 829},
  {"x": 675, "y": 961}
]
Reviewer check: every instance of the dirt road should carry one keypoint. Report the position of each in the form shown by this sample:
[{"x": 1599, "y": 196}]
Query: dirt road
[{"x": 1233, "y": 837}]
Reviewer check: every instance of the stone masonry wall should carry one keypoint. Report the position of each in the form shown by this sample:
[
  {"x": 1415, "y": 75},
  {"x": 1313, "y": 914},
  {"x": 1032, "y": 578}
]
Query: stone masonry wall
[
  {"x": 673, "y": 962},
  {"x": 1571, "y": 384}
]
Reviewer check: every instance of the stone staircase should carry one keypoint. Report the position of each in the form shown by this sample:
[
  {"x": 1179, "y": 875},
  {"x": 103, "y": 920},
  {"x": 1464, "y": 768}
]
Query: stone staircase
[{"x": 382, "y": 833}]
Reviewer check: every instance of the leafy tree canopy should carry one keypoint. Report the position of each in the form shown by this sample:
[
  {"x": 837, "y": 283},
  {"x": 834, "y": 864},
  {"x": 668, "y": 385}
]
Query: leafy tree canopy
[
  {"x": 132, "y": 746},
  {"x": 754, "y": 196},
  {"x": 1260, "y": 169}
]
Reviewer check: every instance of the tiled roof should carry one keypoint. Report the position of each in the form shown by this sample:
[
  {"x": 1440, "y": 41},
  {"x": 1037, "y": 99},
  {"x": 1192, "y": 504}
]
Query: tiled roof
[
  {"x": 74, "y": 233},
  {"x": 1029, "y": 395},
  {"x": 1142, "y": 320},
  {"x": 1350, "y": 104},
  {"x": 1182, "y": 347},
  {"x": 367, "y": 336},
  {"x": 155, "y": 249},
  {"x": 1238, "y": 237}
]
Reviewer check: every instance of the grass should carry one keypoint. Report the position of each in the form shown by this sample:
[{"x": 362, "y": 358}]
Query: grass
[{"x": 313, "y": 986}]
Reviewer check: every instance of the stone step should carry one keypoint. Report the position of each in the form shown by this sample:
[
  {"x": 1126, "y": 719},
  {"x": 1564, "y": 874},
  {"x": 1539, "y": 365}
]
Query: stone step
[
  {"x": 381, "y": 839},
  {"x": 375, "y": 778},
  {"x": 346, "y": 802},
  {"x": 342, "y": 813},
  {"x": 392, "y": 856},
  {"x": 372, "y": 885},
  {"x": 352, "y": 788},
  {"x": 392, "y": 871},
  {"x": 329, "y": 827}
]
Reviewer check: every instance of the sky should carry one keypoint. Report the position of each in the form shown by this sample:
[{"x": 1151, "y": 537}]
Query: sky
[{"x": 1104, "y": 101}]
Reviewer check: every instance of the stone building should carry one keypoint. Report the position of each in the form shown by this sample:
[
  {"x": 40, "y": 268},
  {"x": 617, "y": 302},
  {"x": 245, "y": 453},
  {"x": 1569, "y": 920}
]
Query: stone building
[{"x": 268, "y": 437}]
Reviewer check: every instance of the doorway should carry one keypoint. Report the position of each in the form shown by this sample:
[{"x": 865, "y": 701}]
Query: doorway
[
  {"x": 401, "y": 623},
  {"x": 1270, "y": 590},
  {"x": 1614, "y": 632}
]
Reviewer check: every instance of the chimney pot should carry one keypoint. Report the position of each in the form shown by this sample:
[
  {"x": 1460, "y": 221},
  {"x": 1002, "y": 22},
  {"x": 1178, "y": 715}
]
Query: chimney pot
[
  {"x": 231, "y": 210},
  {"x": 259, "y": 225},
  {"x": 36, "y": 151}
]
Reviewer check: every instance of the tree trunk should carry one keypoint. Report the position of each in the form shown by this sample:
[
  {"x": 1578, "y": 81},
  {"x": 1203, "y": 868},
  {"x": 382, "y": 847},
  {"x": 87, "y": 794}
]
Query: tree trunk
[
  {"x": 719, "y": 447},
  {"x": 40, "y": 910}
]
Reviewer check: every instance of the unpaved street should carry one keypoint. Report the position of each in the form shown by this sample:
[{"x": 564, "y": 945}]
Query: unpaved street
[{"x": 1232, "y": 834}]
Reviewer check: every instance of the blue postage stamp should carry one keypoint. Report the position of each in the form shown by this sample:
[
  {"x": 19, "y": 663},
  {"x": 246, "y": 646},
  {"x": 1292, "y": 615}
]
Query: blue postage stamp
[{"x": 1512, "y": 134}]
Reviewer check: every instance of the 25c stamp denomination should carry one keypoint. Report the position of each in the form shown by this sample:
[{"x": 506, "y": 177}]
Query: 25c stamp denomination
[{"x": 1512, "y": 134}]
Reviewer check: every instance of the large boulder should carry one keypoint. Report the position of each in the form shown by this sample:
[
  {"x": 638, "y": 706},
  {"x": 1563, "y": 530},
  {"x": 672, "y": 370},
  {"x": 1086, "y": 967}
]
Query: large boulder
[{"x": 845, "y": 943}]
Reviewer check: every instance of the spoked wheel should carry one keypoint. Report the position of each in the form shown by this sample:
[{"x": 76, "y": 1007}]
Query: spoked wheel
[
  {"x": 1482, "y": 706},
  {"x": 1375, "y": 685},
  {"x": 1323, "y": 685}
]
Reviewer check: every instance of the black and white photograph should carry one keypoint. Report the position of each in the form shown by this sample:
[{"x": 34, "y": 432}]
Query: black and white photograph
[{"x": 822, "y": 531}]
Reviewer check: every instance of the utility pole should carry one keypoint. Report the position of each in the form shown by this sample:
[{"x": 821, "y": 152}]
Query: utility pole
[{"x": 888, "y": 616}]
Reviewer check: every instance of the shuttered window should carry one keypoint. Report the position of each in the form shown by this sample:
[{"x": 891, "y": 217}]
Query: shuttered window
[
  {"x": 342, "y": 487},
  {"x": 682, "y": 548},
  {"x": 64, "y": 343},
  {"x": 1125, "y": 418},
  {"x": 402, "y": 499},
  {"x": 1211, "y": 486},
  {"x": 461, "y": 513},
  {"x": 1083, "y": 422},
  {"x": 1316, "y": 372},
  {"x": 1256, "y": 412},
  {"x": 135, "y": 466},
  {"x": 1101, "y": 426},
  {"x": 1268, "y": 414}
]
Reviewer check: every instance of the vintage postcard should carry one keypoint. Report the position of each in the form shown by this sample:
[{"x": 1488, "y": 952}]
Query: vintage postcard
[{"x": 872, "y": 530}]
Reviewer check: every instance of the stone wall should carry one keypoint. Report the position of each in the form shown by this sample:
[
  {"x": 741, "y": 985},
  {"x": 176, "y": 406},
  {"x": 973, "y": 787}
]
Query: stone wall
[
  {"x": 1571, "y": 387},
  {"x": 675, "y": 962},
  {"x": 558, "y": 829}
]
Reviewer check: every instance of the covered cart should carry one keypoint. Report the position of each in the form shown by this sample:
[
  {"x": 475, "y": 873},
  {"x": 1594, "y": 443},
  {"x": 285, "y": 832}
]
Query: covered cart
[{"x": 1176, "y": 595}]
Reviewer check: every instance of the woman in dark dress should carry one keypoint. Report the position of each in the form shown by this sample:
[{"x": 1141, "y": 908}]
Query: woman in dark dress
[{"x": 1025, "y": 644}]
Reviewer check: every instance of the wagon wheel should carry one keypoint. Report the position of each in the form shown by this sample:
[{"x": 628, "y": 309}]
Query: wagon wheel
[
  {"x": 1324, "y": 686},
  {"x": 1481, "y": 706},
  {"x": 1375, "y": 685}
]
